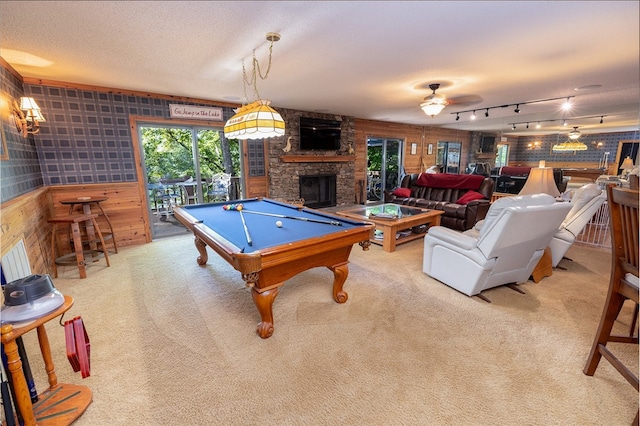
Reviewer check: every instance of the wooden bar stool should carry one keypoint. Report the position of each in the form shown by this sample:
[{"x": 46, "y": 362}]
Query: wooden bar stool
[
  {"x": 73, "y": 221},
  {"x": 85, "y": 203}
]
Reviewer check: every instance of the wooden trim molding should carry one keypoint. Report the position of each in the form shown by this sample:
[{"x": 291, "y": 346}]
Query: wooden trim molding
[{"x": 66, "y": 85}]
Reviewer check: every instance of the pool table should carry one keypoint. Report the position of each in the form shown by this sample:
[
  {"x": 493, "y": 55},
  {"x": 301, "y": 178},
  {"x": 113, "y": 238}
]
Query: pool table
[{"x": 306, "y": 239}]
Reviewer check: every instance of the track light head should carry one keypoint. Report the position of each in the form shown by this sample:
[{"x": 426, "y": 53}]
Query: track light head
[
  {"x": 602, "y": 119},
  {"x": 517, "y": 110},
  {"x": 486, "y": 114},
  {"x": 513, "y": 127},
  {"x": 473, "y": 116}
]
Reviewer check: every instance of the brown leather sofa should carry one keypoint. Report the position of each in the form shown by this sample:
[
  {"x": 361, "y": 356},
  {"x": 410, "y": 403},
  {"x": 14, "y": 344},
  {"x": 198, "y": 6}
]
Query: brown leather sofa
[{"x": 445, "y": 192}]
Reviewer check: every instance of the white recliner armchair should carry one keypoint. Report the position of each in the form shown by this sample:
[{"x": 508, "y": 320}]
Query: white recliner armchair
[
  {"x": 584, "y": 204},
  {"x": 504, "y": 249}
]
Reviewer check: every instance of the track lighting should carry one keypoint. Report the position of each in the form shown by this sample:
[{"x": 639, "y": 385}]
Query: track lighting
[
  {"x": 457, "y": 117},
  {"x": 564, "y": 121},
  {"x": 513, "y": 127},
  {"x": 517, "y": 105}
]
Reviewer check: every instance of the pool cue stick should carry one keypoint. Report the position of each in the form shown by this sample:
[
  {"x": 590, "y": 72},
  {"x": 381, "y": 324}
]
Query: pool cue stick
[
  {"x": 26, "y": 368},
  {"x": 305, "y": 219},
  {"x": 246, "y": 230}
]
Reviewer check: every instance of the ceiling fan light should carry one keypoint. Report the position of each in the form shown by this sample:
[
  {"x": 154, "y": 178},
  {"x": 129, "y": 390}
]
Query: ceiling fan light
[
  {"x": 574, "y": 134},
  {"x": 434, "y": 103},
  {"x": 432, "y": 108}
]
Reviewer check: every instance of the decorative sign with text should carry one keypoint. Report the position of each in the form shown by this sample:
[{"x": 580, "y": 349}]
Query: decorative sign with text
[{"x": 195, "y": 112}]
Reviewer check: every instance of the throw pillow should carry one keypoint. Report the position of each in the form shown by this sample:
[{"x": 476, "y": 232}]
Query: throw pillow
[
  {"x": 402, "y": 192},
  {"x": 469, "y": 196}
]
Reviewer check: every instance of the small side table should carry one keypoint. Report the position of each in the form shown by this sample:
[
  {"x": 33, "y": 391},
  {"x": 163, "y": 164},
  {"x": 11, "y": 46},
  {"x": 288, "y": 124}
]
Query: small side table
[
  {"x": 544, "y": 268},
  {"x": 60, "y": 404},
  {"x": 86, "y": 202}
]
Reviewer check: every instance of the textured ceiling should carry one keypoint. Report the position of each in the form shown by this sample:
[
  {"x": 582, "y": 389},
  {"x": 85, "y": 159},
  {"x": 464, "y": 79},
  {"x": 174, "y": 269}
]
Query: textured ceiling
[{"x": 370, "y": 60}]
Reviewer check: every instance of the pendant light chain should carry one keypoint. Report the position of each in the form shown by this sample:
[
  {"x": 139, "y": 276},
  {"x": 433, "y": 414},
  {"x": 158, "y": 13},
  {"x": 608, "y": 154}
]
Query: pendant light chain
[{"x": 256, "y": 72}]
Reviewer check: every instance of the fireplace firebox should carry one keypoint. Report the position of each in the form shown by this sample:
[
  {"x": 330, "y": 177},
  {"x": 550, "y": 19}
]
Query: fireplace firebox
[{"x": 318, "y": 190}]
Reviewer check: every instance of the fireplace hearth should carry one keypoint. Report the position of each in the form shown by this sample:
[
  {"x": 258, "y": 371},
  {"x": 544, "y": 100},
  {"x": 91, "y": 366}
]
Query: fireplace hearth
[{"x": 318, "y": 190}]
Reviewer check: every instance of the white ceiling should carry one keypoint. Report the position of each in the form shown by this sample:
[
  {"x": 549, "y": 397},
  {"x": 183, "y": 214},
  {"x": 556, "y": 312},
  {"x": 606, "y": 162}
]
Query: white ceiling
[{"x": 370, "y": 60}]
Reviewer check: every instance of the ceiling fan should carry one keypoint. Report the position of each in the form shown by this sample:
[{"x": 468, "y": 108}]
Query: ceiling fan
[{"x": 434, "y": 103}]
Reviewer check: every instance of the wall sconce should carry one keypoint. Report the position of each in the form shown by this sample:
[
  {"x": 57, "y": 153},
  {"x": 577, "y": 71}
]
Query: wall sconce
[
  {"x": 533, "y": 145},
  {"x": 27, "y": 116},
  {"x": 598, "y": 144}
]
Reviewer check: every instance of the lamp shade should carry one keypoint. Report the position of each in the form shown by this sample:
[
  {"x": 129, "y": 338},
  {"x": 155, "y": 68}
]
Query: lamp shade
[
  {"x": 27, "y": 103},
  {"x": 627, "y": 164},
  {"x": 433, "y": 104},
  {"x": 256, "y": 120},
  {"x": 574, "y": 134},
  {"x": 540, "y": 181}
]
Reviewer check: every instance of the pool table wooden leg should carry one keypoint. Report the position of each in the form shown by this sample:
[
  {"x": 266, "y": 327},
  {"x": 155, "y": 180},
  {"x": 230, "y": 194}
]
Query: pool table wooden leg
[
  {"x": 202, "y": 249},
  {"x": 340, "y": 273},
  {"x": 264, "y": 303}
]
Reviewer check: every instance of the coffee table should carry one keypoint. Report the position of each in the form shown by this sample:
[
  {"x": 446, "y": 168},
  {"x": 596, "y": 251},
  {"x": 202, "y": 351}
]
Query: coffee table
[{"x": 392, "y": 218}]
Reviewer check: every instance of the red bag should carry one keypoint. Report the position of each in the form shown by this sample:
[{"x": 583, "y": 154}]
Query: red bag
[{"x": 78, "y": 346}]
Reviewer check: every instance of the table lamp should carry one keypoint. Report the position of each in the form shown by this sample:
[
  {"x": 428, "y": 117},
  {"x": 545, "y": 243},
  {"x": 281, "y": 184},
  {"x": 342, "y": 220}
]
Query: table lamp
[
  {"x": 627, "y": 166},
  {"x": 540, "y": 180}
]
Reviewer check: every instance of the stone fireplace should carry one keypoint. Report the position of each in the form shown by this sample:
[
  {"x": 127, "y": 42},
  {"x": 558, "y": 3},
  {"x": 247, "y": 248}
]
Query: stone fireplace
[
  {"x": 290, "y": 169},
  {"x": 318, "y": 190}
]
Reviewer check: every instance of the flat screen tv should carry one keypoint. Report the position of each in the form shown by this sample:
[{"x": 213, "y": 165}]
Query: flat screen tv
[{"x": 319, "y": 134}]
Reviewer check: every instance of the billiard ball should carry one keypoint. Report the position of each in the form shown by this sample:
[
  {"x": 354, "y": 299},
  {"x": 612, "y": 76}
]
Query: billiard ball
[{"x": 279, "y": 224}]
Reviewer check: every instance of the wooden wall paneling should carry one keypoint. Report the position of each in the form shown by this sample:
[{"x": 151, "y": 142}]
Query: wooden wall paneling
[
  {"x": 409, "y": 133},
  {"x": 25, "y": 218},
  {"x": 125, "y": 207}
]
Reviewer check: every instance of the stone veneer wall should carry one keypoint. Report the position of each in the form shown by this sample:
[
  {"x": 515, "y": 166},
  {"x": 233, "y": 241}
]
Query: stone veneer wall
[{"x": 284, "y": 176}]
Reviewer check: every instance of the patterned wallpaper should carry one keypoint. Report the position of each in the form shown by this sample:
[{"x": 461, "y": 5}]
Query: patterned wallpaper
[
  {"x": 21, "y": 173},
  {"x": 87, "y": 138},
  {"x": 591, "y": 155}
]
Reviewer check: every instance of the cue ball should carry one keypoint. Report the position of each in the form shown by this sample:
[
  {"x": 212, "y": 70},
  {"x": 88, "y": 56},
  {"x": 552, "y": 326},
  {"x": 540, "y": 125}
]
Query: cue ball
[{"x": 279, "y": 224}]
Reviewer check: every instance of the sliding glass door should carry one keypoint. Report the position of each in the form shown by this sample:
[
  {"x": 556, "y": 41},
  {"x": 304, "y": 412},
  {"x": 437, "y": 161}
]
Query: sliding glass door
[
  {"x": 384, "y": 158},
  {"x": 448, "y": 157},
  {"x": 179, "y": 163}
]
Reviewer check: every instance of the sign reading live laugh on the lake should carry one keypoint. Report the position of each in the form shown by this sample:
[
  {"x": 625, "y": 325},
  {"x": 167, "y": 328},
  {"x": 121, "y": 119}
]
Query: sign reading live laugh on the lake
[{"x": 192, "y": 111}]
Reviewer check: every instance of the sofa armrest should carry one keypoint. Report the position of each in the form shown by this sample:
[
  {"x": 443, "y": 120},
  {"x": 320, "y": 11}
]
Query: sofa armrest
[
  {"x": 476, "y": 211},
  {"x": 389, "y": 197}
]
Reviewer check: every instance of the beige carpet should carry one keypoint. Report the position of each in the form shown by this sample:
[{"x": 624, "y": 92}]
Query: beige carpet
[{"x": 175, "y": 343}]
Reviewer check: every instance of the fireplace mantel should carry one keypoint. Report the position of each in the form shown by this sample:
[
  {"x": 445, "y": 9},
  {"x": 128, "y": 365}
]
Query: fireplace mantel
[{"x": 317, "y": 158}]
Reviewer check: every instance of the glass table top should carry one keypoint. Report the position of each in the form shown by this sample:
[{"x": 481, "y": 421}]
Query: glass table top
[{"x": 389, "y": 211}]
